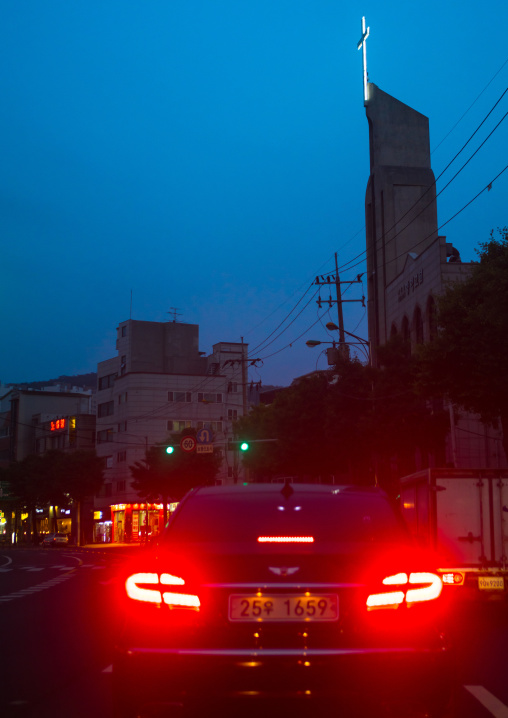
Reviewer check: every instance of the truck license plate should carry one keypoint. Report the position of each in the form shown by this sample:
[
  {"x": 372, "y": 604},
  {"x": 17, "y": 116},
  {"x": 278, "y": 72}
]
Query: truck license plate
[
  {"x": 283, "y": 607},
  {"x": 491, "y": 583}
]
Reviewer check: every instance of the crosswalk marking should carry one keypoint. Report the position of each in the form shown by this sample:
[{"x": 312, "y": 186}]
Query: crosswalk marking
[
  {"x": 489, "y": 701},
  {"x": 38, "y": 587}
]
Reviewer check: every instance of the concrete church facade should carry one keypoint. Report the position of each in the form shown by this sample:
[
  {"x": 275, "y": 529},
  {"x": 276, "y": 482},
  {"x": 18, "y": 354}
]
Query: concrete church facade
[{"x": 408, "y": 264}]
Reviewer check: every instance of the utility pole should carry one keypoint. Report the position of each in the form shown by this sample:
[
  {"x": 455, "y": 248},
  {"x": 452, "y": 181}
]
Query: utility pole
[
  {"x": 342, "y": 340},
  {"x": 335, "y": 279},
  {"x": 244, "y": 379}
]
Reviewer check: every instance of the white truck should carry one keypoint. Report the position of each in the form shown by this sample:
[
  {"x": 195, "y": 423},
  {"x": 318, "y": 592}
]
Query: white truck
[{"x": 462, "y": 515}]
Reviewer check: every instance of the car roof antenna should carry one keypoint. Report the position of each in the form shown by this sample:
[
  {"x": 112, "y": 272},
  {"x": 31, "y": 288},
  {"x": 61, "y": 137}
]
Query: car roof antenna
[{"x": 287, "y": 490}]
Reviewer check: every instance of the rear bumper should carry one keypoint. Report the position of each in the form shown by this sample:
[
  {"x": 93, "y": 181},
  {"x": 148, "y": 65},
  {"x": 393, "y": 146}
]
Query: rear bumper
[{"x": 387, "y": 675}]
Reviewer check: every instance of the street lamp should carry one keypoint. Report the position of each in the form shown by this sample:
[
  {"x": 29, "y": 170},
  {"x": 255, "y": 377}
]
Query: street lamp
[{"x": 331, "y": 326}]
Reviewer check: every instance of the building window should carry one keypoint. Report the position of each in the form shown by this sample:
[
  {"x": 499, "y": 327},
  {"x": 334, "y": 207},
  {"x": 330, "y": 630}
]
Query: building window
[
  {"x": 123, "y": 365},
  {"x": 405, "y": 330},
  {"x": 124, "y": 330},
  {"x": 109, "y": 462},
  {"x": 432, "y": 318},
  {"x": 107, "y": 489},
  {"x": 215, "y": 426},
  {"x": 179, "y": 396},
  {"x": 120, "y": 485},
  {"x": 210, "y": 398},
  {"x": 122, "y": 426},
  {"x": 232, "y": 414},
  {"x": 106, "y": 409},
  {"x": 122, "y": 398},
  {"x": 106, "y": 382},
  {"x": 232, "y": 387},
  {"x": 230, "y": 472},
  {"x": 178, "y": 424},
  {"x": 121, "y": 456},
  {"x": 104, "y": 436},
  {"x": 418, "y": 325}
]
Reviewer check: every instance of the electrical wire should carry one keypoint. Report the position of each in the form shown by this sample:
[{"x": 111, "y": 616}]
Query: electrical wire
[
  {"x": 348, "y": 265},
  {"x": 264, "y": 345},
  {"x": 470, "y": 106},
  {"x": 488, "y": 186}
]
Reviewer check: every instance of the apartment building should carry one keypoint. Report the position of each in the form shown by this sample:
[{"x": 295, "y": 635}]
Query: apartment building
[{"x": 158, "y": 384}]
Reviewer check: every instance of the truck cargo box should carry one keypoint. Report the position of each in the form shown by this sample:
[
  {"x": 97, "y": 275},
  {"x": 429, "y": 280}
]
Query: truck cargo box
[{"x": 462, "y": 515}]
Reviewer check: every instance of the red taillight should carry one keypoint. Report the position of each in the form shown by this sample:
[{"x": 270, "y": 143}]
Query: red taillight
[
  {"x": 150, "y": 587},
  {"x": 415, "y": 588}
]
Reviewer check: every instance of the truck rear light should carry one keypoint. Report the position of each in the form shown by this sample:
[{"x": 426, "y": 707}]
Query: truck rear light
[
  {"x": 150, "y": 588},
  {"x": 452, "y": 578},
  {"x": 418, "y": 587}
]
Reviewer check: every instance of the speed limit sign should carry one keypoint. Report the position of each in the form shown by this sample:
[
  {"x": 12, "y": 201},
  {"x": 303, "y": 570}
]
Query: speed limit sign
[{"x": 188, "y": 444}]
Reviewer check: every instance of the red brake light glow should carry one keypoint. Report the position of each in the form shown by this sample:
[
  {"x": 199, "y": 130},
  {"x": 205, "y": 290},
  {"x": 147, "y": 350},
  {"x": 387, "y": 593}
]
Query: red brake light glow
[
  {"x": 427, "y": 587},
  {"x": 285, "y": 539},
  {"x": 139, "y": 588}
]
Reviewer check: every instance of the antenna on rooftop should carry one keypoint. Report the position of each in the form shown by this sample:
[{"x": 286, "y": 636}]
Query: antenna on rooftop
[{"x": 174, "y": 311}]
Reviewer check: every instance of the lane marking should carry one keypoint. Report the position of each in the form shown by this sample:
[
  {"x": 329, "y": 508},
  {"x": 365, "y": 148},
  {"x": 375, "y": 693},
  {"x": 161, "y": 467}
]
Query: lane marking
[
  {"x": 488, "y": 701},
  {"x": 38, "y": 587}
]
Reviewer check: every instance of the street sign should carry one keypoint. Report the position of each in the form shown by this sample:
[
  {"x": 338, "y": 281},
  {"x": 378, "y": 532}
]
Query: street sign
[
  {"x": 204, "y": 449},
  {"x": 188, "y": 444},
  {"x": 204, "y": 436}
]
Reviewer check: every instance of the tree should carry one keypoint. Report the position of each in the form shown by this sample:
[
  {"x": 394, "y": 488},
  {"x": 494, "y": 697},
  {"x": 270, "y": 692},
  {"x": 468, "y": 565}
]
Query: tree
[
  {"x": 162, "y": 476},
  {"x": 56, "y": 478},
  {"x": 466, "y": 362},
  {"x": 356, "y": 423}
]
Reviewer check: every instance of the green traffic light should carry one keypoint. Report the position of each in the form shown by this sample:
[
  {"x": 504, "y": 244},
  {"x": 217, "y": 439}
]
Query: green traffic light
[
  {"x": 244, "y": 446},
  {"x": 170, "y": 449}
]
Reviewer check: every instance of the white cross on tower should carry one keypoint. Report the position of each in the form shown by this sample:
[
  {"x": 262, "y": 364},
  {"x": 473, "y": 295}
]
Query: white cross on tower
[{"x": 363, "y": 44}]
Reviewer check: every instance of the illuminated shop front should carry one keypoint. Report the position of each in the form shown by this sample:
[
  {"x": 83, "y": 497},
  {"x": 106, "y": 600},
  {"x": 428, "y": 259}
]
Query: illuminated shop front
[
  {"x": 102, "y": 526},
  {"x": 54, "y": 518},
  {"x": 137, "y": 522}
]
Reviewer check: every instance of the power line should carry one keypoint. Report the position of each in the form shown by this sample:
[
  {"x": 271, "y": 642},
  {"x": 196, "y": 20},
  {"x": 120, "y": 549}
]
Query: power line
[
  {"x": 470, "y": 106},
  {"x": 362, "y": 254},
  {"x": 266, "y": 343}
]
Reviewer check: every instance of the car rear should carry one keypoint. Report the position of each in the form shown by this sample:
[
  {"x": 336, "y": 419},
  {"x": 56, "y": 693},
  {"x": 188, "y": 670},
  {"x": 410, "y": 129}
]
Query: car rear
[{"x": 257, "y": 594}]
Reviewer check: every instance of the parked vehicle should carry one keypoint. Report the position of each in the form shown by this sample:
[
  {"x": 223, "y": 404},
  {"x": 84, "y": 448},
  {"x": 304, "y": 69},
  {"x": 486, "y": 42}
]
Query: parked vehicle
[
  {"x": 463, "y": 516},
  {"x": 55, "y": 539},
  {"x": 275, "y": 598}
]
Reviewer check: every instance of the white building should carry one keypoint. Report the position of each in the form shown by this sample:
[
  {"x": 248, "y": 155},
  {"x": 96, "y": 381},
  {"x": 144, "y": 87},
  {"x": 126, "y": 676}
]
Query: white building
[{"x": 158, "y": 384}]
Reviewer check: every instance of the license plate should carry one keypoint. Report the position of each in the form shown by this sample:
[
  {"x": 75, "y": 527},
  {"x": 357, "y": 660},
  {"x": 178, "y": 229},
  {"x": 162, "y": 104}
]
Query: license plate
[
  {"x": 282, "y": 607},
  {"x": 491, "y": 583}
]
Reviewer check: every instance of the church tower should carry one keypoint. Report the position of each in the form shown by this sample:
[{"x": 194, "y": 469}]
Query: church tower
[{"x": 400, "y": 202}]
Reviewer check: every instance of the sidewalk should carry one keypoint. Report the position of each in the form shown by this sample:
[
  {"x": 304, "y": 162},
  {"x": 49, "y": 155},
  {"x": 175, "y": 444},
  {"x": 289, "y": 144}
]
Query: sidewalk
[{"x": 111, "y": 547}]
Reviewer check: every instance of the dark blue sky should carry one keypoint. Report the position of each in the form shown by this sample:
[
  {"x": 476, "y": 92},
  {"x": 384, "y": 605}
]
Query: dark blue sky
[{"x": 212, "y": 155}]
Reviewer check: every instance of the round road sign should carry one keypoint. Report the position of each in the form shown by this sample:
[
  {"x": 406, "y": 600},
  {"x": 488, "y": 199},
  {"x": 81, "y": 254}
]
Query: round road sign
[{"x": 188, "y": 443}]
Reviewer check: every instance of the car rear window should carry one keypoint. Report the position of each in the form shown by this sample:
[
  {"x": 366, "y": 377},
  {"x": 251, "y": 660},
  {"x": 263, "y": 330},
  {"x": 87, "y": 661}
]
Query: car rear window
[{"x": 325, "y": 517}]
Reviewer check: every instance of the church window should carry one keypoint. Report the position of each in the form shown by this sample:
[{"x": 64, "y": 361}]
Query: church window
[
  {"x": 405, "y": 330},
  {"x": 431, "y": 318},
  {"x": 418, "y": 325}
]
